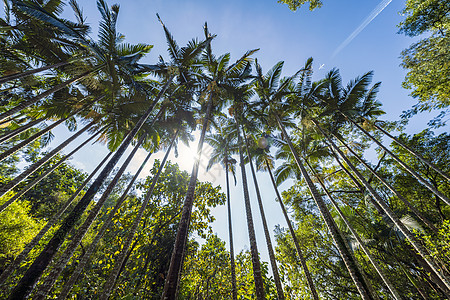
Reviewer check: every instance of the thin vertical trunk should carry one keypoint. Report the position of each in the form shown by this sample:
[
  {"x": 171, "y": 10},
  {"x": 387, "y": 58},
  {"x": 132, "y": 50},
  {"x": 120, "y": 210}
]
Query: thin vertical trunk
[
  {"x": 176, "y": 261},
  {"x": 50, "y": 170},
  {"x": 35, "y": 136},
  {"x": 84, "y": 260},
  {"x": 403, "y": 164},
  {"x": 374, "y": 263},
  {"x": 408, "y": 204},
  {"x": 273, "y": 262},
  {"x": 230, "y": 233},
  {"x": 47, "y": 93},
  {"x": 15, "y": 132},
  {"x": 413, "y": 152},
  {"x": 114, "y": 275},
  {"x": 31, "y": 72},
  {"x": 257, "y": 273},
  {"x": 60, "y": 264},
  {"x": 444, "y": 283},
  {"x": 34, "y": 272},
  {"x": 31, "y": 169},
  {"x": 311, "y": 285},
  {"x": 346, "y": 256},
  {"x": 55, "y": 218}
]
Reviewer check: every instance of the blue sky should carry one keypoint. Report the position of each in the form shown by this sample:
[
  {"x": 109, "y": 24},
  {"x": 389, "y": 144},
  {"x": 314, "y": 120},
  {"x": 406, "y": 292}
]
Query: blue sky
[{"x": 281, "y": 35}]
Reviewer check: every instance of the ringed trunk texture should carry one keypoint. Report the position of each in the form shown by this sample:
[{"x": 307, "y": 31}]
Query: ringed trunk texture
[
  {"x": 61, "y": 263},
  {"x": 47, "y": 93},
  {"x": 400, "y": 162},
  {"x": 26, "y": 285},
  {"x": 413, "y": 152},
  {"x": 408, "y": 204},
  {"x": 176, "y": 261},
  {"x": 31, "y": 169},
  {"x": 309, "y": 279},
  {"x": 257, "y": 273},
  {"x": 346, "y": 256},
  {"x": 444, "y": 283},
  {"x": 31, "y": 72},
  {"x": 273, "y": 262},
  {"x": 14, "y": 133},
  {"x": 230, "y": 233},
  {"x": 84, "y": 260},
  {"x": 47, "y": 226},
  {"x": 122, "y": 257},
  {"x": 374, "y": 263}
]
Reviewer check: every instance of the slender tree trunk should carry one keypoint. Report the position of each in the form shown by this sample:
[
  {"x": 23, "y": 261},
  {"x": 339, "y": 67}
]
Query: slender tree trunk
[
  {"x": 176, "y": 261},
  {"x": 47, "y": 93},
  {"x": 25, "y": 286},
  {"x": 346, "y": 256},
  {"x": 22, "y": 144},
  {"x": 60, "y": 264},
  {"x": 273, "y": 262},
  {"x": 392, "y": 216},
  {"x": 31, "y": 72},
  {"x": 114, "y": 275},
  {"x": 84, "y": 260},
  {"x": 31, "y": 169},
  {"x": 55, "y": 218},
  {"x": 412, "y": 151},
  {"x": 230, "y": 233},
  {"x": 408, "y": 204},
  {"x": 404, "y": 165},
  {"x": 14, "y": 133},
  {"x": 51, "y": 169},
  {"x": 257, "y": 273},
  {"x": 311, "y": 285},
  {"x": 374, "y": 263}
]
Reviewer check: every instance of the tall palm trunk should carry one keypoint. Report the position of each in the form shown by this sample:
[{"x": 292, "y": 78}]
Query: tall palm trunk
[
  {"x": 257, "y": 273},
  {"x": 311, "y": 285},
  {"x": 176, "y": 261},
  {"x": 372, "y": 260},
  {"x": 54, "y": 219},
  {"x": 120, "y": 261},
  {"x": 15, "y": 132},
  {"x": 58, "y": 266},
  {"x": 412, "y": 151},
  {"x": 408, "y": 204},
  {"x": 444, "y": 283},
  {"x": 50, "y": 170},
  {"x": 31, "y": 169},
  {"x": 230, "y": 233},
  {"x": 273, "y": 262},
  {"x": 25, "y": 286},
  {"x": 84, "y": 260},
  {"x": 15, "y": 76},
  {"x": 346, "y": 256},
  {"x": 47, "y": 93},
  {"x": 22, "y": 144},
  {"x": 403, "y": 164}
]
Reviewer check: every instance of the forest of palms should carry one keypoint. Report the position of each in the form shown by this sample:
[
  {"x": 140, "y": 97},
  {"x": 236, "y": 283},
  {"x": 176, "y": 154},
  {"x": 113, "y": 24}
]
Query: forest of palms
[{"x": 367, "y": 208}]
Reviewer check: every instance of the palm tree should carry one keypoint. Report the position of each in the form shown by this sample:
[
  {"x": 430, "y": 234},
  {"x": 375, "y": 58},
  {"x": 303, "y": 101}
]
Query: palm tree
[
  {"x": 114, "y": 275},
  {"x": 218, "y": 76},
  {"x": 392, "y": 216},
  {"x": 11, "y": 134},
  {"x": 372, "y": 260},
  {"x": 222, "y": 144},
  {"x": 264, "y": 161},
  {"x": 84, "y": 260},
  {"x": 270, "y": 95},
  {"x": 55, "y": 218},
  {"x": 273, "y": 262}
]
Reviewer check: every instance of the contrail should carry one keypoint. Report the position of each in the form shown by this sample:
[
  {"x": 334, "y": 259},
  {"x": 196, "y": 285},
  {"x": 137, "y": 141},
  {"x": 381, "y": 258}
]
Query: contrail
[{"x": 363, "y": 25}]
